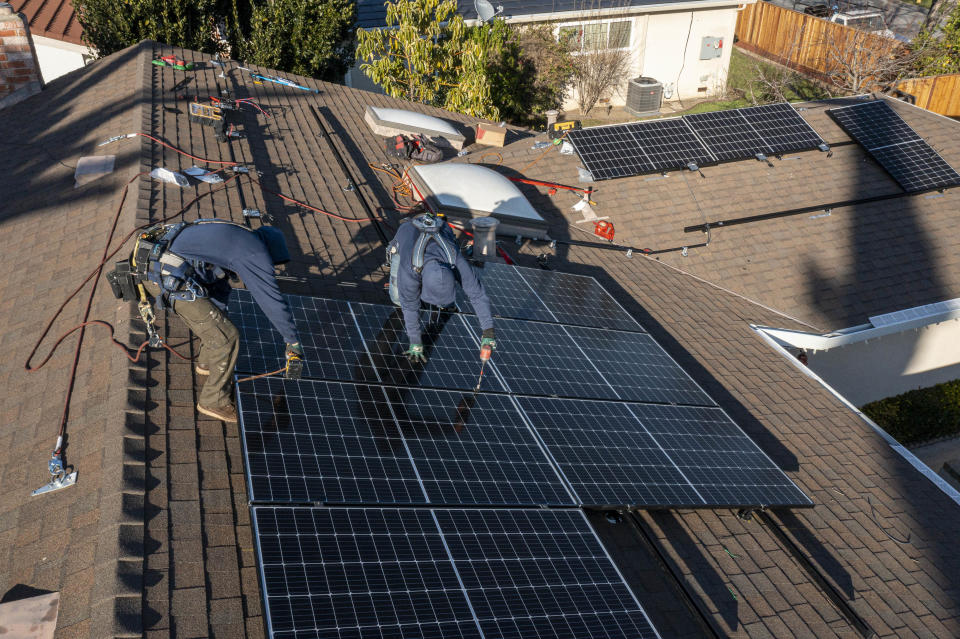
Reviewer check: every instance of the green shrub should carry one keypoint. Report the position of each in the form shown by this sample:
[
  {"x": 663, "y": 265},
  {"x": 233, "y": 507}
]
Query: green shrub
[{"x": 919, "y": 415}]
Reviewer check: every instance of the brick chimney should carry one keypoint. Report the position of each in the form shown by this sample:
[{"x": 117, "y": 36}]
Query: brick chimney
[{"x": 19, "y": 71}]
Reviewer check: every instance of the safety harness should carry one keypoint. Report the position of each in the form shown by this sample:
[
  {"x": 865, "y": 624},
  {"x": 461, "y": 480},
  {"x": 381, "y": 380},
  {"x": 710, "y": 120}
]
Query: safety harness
[
  {"x": 152, "y": 261},
  {"x": 429, "y": 227}
]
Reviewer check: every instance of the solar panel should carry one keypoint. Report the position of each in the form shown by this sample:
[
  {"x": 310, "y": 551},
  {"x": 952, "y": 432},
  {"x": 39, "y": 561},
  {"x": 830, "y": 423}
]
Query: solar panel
[
  {"x": 330, "y": 442},
  {"x": 509, "y": 294},
  {"x": 332, "y": 345},
  {"x": 728, "y": 134},
  {"x": 549, "y": 296},
  {"x": 637, "y": 367},
  {"x": 453, "y": 359},
  {"x": 724, "y": 465},
  {"x": 782, "y": 128},
  {"x": 610, "y": 152},
  {"x": 578, "y": 300},
  {"x": 475, "y": 449},
  {"x": 916, "y": 167},
  {"x": 358, "y": 573},
  {"x": 540, "y": 574},
  {"x": 670, "y": 144},
  {"x": 913, "y": 163},
  {"x": 657, "y": 456},
  {"x": 535, "y": 358},
  {"x": 874, "y": 124}
]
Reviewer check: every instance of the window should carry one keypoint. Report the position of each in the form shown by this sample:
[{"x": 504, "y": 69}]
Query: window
[{"x": 593, "y": 36}]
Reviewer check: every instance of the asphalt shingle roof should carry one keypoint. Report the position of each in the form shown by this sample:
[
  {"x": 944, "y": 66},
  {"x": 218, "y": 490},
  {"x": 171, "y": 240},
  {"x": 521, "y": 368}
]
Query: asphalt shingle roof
[{"x": 165, "y": 491}]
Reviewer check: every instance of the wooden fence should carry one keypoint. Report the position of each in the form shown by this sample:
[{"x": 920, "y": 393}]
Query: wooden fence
[
  {"x": 939, "y": 93},
  {"x": 812, "y": 45}
]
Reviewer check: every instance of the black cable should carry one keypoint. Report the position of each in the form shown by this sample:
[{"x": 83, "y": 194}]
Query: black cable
[
  {"x": 683, "y": 61},
  {"x": 42, "y": 148}
]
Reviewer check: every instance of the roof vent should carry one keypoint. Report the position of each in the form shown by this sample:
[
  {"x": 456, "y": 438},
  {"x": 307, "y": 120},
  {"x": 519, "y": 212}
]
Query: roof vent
[
  {"x": 390, "y": 122},
  {"x": 465, "y": 191}
]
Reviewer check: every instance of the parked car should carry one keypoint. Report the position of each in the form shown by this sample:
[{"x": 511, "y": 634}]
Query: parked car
[{"x": 869, "y": 20}]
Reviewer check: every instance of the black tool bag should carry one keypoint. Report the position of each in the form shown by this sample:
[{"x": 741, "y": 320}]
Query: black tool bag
[{"x": 415, "y": 147}]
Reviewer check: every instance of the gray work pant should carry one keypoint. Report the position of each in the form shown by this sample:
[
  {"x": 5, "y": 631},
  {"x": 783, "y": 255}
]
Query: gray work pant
[{"x": 219, "y": 346}]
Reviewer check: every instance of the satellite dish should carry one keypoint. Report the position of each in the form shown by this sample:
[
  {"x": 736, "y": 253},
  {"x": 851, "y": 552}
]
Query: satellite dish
[{"x": 485, "y": 10}]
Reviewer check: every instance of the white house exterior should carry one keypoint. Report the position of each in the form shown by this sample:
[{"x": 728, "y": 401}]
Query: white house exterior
[{"x": 674, "y": 43}]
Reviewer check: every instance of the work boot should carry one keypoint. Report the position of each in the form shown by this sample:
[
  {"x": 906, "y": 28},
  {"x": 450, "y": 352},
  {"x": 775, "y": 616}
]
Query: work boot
[
  {"x": 226, "y": 413},
  {"x": 200, "y": 369}
]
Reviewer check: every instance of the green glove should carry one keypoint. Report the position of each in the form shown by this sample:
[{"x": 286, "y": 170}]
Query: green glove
[
  {"x": 488, "y": 339},
  {"x": 415, "y": 354}
]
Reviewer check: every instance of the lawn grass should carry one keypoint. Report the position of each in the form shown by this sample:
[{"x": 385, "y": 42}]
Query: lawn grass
[{"x": 743, "y": 76}]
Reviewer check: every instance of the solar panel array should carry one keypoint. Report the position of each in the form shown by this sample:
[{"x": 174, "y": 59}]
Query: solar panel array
[
  {"x": 913, "y": 163},
  {"x": 692, "y": 140},
  {"x": 380, "y": 485},
  {"x": 547, "y": 296},
  {"x": 383, "y": 572}
]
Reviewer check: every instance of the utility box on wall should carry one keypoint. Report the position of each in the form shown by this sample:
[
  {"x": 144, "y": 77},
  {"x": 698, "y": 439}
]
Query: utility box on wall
[{"x": 711, "y": 48}]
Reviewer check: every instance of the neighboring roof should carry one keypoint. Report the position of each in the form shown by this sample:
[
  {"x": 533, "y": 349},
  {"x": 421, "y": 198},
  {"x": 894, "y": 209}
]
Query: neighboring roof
[
  {"x": 881, "y": 534},
  {"x": 51, "y": 19},
  {"x": 372, "y": 13}
]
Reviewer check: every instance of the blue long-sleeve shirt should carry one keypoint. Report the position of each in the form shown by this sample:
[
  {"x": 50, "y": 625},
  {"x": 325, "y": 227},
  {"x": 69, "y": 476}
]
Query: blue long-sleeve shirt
[
  {"x": 409, "y": 281},
  {"x": 235, "y": 248}
]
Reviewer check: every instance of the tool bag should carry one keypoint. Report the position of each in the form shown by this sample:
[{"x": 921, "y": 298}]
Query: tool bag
[{"x": 413, "y": 147}]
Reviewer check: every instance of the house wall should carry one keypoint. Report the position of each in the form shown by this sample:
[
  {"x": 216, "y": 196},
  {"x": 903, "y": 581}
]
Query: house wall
[
  {"x": 877, "y": 368},
  {"x": 664, "y": 45},
  {"x": 57, "y": 58}
]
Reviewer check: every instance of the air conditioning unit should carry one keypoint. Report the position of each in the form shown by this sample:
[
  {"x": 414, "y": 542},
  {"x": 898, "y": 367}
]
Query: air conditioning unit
[{"x": 644, "y": 96}]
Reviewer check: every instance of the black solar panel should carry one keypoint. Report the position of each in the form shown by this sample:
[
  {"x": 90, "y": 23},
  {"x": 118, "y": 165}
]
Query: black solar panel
[
  {"x": 717, "y": 457},
  {"x": 728, "y": 134},
  {"x": 509, "y": 293},
  {"x": 782, "y": 128},
  {"x": 657, "y": 456},
  {"x": 453, "y": 353},
  {"x": 359, "y": 573},
  {"x": 916, "y": 167},
  {"x": 670, "y": 144},
  {"x": 475, "y": 449},
  {"x": 332, "y": 442},
  {"x": 874, "y": 124},
  {"x": 610, "y": 152},
  {"x": 549, "y": 296},
  {"x": 637, "y": 367},
  {"x": 578, "y": 300},
  {"x": 332, "y": 345},
  {"x": 535, "y": 358},
  {"x": 913, "y": 163},
  {"x": 536, "y": 574}
]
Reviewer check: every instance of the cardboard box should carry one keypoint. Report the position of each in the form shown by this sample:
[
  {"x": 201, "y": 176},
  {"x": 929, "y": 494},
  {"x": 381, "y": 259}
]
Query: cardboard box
[{"x": 491, "y": 134}]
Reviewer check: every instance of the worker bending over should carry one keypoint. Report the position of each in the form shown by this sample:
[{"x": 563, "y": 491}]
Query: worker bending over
[
  {"x": 184, "y": 266},
  {"x": 424, "y": 265}
]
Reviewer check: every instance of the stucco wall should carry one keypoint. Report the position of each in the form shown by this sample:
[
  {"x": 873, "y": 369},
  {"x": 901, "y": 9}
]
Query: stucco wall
[
  {"x": 58, "y": 58},
  {"x": 870, "y": 370}
]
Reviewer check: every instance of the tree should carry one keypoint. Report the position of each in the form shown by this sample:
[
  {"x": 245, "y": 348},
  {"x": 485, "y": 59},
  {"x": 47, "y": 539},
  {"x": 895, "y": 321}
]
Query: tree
[
  {"x": 601, "y": 59},
  {"x": 427, "y": 54},
  {"x": 308, "y": 37},
  {"x": 184, "y": 23},
  {"x": 938, "y": 43},
  {"x": 531, "y": 75},
  {"x": 858, "y": 62}
]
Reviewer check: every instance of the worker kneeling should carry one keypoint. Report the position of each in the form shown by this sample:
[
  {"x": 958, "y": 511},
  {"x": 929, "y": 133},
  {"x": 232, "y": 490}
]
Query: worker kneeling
[
  {"x": 424, "y": 265},
  {"x": 183, "y": 266}
]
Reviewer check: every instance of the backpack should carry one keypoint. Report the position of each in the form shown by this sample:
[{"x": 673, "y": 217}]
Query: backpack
[{"x": 413, "y": 147}]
